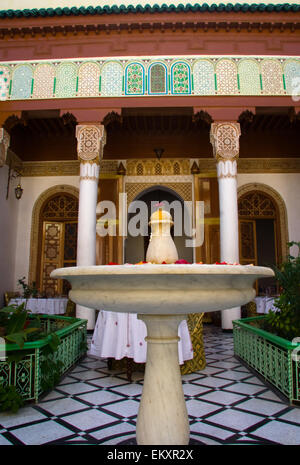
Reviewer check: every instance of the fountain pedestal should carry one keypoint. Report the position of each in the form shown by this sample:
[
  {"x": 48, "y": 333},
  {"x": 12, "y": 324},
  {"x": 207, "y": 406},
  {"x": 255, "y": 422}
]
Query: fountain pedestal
[
  {"x": 162, "y": 417},
  {"x": 162, "y": 295}
]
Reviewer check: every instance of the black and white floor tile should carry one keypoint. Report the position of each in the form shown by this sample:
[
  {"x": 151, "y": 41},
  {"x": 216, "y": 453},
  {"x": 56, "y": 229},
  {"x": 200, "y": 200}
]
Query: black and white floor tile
[{"x": 227, "y": 404}]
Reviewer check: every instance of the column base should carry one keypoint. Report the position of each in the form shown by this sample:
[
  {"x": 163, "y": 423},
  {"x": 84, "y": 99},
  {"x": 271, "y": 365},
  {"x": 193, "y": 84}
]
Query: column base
[
  {"x": 88, "y": 314},
  {"x": 228, "y": 316}
]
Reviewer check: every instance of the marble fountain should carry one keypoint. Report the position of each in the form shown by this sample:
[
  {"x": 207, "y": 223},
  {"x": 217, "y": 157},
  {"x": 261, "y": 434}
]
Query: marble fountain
[{"x": 162, "y": 295}]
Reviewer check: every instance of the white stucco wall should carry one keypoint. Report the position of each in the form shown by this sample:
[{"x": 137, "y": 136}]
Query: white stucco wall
[
  {"x": 33, "y": 188},
  {"x": 288, "y": 186},
  {"x": 16, "y": 216},
  {"x": 8, "y": 233}
]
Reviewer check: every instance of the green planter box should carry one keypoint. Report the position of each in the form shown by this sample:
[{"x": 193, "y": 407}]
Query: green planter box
[
  {"x": 270, "y": 356},
  {"x": 26, "y": 375}
]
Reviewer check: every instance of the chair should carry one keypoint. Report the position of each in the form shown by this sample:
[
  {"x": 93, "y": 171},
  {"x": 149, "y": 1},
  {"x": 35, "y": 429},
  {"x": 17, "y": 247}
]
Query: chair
[
  {"x": 198, "y": 362},
  {"x": 10, "y": 295},
  {"x": 71, "y": 309},
  {"x": 251, "y": 309}
]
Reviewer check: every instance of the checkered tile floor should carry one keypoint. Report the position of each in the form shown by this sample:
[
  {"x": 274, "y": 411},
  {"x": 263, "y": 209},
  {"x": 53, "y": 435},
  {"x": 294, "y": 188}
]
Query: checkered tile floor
[{"x": 226, "y": 403}]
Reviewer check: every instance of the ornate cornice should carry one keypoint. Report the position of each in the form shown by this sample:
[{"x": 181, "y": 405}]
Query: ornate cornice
[
  {"x": 141, "y": 27},
  {"x": 207, "y": 166},
  {"x": 269, "y": 165}
]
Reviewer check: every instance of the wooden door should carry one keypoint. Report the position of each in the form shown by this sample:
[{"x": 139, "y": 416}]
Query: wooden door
[
  {"x": 248, "y": 246},
  {"x": 59, "y": 247}
]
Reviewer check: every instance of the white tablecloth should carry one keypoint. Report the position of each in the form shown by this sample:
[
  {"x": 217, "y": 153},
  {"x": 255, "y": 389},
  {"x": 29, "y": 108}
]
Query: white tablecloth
[
  {"x": 55, "y": 306},
  {"x": 118, "y": 335},
  {"x": 265, "y": 304}
]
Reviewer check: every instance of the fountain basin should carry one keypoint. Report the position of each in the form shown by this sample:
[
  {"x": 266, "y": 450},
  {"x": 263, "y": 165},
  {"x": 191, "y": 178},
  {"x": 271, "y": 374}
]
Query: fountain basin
[
  {"x": 162, "y": 289},
  {"x": 162, "y": 295}
]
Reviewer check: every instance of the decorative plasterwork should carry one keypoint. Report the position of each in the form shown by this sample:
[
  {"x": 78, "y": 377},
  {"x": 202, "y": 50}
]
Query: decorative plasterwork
[
  {"x": 183, "y": 189},
  {"x": 224, "y": 138},
  {"x": 35, "y": 223},
  {"x": 91, "y": 139},
  {"x": 89, "y": 171},
  {"x": 110, "y": 167},
  {"x": 282, "y": 211},
  {"x": 162, "y": 179},
  {"x": 131, "y": 76},
  {"x": 63, "y": 168},
  {"x": 269, "y": 165},
  {"x": 50, "y": 168},
  {"x": 155, "y": 167}
]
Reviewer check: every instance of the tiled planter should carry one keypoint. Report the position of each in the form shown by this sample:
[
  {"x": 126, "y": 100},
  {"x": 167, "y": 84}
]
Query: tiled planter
[
  {"x": 26, "y": 375},
  {"x": 270, "y": 356}
]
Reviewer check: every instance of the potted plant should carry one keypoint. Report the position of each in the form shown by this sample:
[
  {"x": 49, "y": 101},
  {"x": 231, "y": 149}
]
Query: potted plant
[
  {"x": 28, "y": 291},
  {"x": 270, "y": 344}
]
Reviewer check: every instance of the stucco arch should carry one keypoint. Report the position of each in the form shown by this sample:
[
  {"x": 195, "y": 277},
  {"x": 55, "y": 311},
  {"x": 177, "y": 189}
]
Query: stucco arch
[{"x": 35, "y": 221}]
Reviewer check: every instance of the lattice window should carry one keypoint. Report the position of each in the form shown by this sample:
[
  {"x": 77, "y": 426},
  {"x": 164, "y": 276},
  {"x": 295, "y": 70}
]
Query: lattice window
[
  {"x": 271, "y": 74},
  {"x": 204, "y": 78},
  {"x": 88, "y": 80},
  {"x": 111, "y": 79},
  {"x": 66, "y": 77},
  {"x": 134, "y": 79},
  {"x": 43, "y": 81},
  {"x": 180, "y": 78},
  {"x": 249, "y": 77},
  {"x": 4, "y": 82},
  {"x": 292, "y": 77},
  {"x": 157, "y": 79},
  {"x": 22, "y": 82},
  {"x": 256, "y": 204},
  {"x": 226, "y": 77},
  {"x": 61, "y": 206}
]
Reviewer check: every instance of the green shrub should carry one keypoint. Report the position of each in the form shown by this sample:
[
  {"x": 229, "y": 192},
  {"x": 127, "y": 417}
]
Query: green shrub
[
  {"x": 285, "y": 322},
  {"x": 10, "y": 399}
]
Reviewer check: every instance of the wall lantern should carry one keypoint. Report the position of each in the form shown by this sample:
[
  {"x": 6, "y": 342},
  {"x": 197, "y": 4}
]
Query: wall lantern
[
  {"x": 158, "y": 153},
  {"x": 12, "y": 174}
]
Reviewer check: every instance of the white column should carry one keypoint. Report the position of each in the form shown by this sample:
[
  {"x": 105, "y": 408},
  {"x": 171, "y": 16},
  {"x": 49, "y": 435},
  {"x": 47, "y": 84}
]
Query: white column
[
  {"x": 224, "y": 138},
  {"x": 91, "y": 139}
]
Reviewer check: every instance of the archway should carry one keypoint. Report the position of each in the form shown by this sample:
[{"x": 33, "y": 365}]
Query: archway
[
  {"x": 263, "y": 228},
  {"x": 53, "y": 236},
  {"x": 136, "y": 246}
]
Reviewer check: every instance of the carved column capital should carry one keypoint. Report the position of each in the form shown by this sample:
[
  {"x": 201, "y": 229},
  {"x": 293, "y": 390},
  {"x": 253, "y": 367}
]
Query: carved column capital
[
  {"x": 4, "y": 144},
  {"x": 91, "y": 139},
  {"x": 224, "y": 138}
]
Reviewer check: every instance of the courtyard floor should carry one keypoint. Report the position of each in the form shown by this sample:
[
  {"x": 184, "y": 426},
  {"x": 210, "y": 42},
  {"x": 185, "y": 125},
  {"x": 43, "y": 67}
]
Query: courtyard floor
[{"x": 226, "y": 403}]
